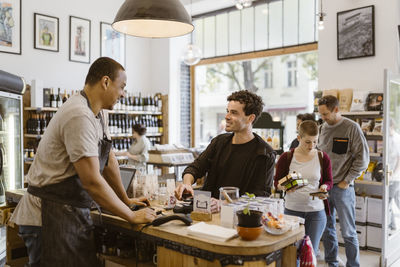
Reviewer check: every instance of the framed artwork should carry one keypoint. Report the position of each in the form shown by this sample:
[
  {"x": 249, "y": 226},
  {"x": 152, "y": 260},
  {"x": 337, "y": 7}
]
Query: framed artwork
[
  {"x": 356, "y": 33},
  {"x": 79, "y": 39},
  {"x": 10, "y": 26},
  {"x": 46, "y": 32},
  {"x": 112, "y": 43}
]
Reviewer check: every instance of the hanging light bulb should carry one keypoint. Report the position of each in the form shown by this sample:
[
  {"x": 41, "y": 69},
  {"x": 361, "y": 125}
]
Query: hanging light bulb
[
  {"x": 321, "y": 23},
  {"x": 321, "y": 16},
  {"x": 191, "y": 55}
]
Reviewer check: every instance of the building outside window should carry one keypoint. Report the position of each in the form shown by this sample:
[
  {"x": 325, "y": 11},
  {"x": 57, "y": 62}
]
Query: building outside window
[
  {"x": 268, "y": 76},
  {"x": 291, "y": 73}
]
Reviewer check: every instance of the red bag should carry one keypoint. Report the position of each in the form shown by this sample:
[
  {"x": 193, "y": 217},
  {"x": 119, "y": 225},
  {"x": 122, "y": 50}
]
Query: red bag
[{"x": 306, "y": 253}]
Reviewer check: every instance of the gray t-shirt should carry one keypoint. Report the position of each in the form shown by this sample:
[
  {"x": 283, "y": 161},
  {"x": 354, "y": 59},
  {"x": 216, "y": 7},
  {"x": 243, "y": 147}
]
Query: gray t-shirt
[
  {"x": 347, "y": 148},
  {"x": 73, "y": 133}
]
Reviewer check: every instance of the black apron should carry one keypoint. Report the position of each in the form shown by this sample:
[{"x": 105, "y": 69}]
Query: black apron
[{"x": 67, "y": 228}]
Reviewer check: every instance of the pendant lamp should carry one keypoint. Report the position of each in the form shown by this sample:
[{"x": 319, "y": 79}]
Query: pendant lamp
[{"x": 153, "y": 19}]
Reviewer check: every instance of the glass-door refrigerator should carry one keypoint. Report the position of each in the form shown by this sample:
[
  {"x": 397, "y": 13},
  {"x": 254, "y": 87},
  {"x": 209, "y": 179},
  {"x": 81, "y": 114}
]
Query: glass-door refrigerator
[{"x": 11, "y": 134}]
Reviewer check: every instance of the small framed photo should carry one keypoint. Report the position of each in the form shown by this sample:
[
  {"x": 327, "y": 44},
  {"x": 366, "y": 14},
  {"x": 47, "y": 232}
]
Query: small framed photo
[
  {"x": 10, "y": 26},
  {"x": 112, "y": 43},
  {"x": 356, "y": 33},
  {"x": 79, "y": 39},
  {"x": 46, "y": 32}
]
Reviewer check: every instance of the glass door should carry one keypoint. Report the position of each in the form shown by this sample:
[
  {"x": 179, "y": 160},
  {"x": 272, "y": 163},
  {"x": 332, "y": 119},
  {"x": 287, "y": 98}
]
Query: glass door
[
  {"x": 11, "y": 160},
  {"x": 391, "y": 220}
]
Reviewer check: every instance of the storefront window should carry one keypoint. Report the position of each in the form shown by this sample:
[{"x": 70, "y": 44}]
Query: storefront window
[{"x": 268, "y": 77}]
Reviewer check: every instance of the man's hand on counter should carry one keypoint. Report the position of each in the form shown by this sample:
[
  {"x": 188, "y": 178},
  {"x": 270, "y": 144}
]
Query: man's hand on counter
[
  {"x": 215, "y": 205},
  {"x": 185, "y": 188},
  {"x": 145, "y": 215},
  {"x": 140, "y": 201}
]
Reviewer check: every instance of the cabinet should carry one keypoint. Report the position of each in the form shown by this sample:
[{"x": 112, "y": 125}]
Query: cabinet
[
  {"x": 120, "y": 122},
  {"x": 271, "y": 131}
]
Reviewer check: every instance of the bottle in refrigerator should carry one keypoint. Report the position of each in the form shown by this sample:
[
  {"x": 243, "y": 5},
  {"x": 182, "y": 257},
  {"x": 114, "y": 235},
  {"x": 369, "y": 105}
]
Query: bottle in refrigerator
[{"x": 275, "y": 140}]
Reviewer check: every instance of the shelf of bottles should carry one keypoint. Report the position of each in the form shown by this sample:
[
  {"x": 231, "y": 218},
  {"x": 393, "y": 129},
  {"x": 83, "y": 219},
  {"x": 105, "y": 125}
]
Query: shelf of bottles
[
  {"x": 132, "y": 110},
  {"x": 270, "y": 131}
]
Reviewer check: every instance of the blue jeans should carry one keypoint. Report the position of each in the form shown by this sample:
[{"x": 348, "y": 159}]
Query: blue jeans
[
  {"x": 314, "y": 223},
  {"x": 32, "y": 236},
  {"x": 341, "y": 201}
]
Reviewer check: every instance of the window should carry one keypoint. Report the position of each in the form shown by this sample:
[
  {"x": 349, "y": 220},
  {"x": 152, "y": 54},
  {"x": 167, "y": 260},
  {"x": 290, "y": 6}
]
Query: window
[
  {"x": 268, "y": 76},
  {"x": 291, "y": 73}
]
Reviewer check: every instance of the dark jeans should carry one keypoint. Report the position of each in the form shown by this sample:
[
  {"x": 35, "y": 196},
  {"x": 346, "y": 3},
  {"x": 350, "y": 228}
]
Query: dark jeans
[{"x": 32, "y": 236}]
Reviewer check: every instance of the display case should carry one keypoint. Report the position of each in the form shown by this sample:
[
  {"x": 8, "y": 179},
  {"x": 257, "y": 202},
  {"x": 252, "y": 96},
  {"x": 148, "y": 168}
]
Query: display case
[{"x": 271, "y": 131}]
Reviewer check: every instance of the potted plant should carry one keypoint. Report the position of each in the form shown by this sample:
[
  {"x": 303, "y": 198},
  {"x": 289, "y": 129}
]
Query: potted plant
[{"x": 249, "y": 221}]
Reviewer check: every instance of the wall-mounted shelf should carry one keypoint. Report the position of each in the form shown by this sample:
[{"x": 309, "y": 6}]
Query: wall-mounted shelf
[
  {"x": 363, "y": 114},
  {"x": 374, "y": 137},
  {"x": 134, "y": 112},
  {"x": 130, "y": 135},
  {"x": 38, "y": 109},
  {"x": 368, "y": 182},
  {"x": 36, "y": 136}
]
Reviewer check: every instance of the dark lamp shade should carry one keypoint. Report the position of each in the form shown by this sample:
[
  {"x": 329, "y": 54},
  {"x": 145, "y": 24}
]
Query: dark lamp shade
[{"x": 153, "y": 19}]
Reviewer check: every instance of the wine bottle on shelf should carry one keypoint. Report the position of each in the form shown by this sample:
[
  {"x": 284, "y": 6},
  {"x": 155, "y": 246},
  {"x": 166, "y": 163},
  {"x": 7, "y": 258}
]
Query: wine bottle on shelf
[
  {"x": 53, "y": 101},
  {"x": 38, "y": 129},
  {"x": 43, "y": 124},
  {"x": 58, "y": 99},
  {"x": 65, "y": 97}
]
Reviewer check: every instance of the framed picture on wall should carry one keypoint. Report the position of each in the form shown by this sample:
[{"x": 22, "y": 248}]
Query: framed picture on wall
[
  {"x": 45, "y": 32},
  {"x": 356, "y": 33},
  {"x": 79, "y": 39},
  {"x": 112, "y": 43},
  {"x": 10, "y": 26}
]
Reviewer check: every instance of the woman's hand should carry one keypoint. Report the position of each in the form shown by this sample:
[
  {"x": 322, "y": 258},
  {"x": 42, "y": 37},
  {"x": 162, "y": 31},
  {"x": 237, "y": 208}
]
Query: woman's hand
[{"x": 323, "y": 188}]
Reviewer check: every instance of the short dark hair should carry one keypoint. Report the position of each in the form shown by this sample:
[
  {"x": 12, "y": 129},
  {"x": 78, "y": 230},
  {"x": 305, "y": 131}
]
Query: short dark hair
[
  {"x": 309, "y": 128},
  {"x": 140, "y": 129},
  {"x": 330, "y": 101},
  {"x": 103, "y": 66},
  {"x": 299, "y": 116},
  {"x": 253, "y": 103},
  {"x": 308, "y": 117}
]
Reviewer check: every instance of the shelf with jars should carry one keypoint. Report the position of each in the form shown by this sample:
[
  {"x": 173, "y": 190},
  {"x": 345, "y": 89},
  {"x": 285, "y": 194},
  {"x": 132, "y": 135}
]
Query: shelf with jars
[{"x": 271, "y": 131}]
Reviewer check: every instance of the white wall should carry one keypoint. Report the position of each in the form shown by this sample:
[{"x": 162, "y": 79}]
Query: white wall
[
  {"x": 54, "y": 68},
  {"x": 361, "y": 73}
]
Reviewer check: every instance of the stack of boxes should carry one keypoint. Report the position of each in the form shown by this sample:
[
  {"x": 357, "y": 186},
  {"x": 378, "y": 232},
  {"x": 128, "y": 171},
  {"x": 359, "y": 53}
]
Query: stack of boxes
[{"x": 368, "y": 223}]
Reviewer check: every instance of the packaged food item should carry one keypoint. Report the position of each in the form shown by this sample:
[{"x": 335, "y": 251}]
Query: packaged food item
[
  {"x": 345, "y": 99},
  {"x": 293, "y": 181},
  {"x": 366, "y": 125},
  {"x": 372, "y": 146},
  {"x": 358, "y": 102},
  {"x": 379, "y": 147},
  {"x": 378, "y": 128},
  {"x": 374, "y": 102},
  {"x": 334, "y": 92}
]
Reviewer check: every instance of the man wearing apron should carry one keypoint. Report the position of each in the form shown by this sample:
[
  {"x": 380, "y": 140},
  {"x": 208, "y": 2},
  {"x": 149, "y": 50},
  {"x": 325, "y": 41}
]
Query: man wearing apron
[{"x": 66, "y": 176}]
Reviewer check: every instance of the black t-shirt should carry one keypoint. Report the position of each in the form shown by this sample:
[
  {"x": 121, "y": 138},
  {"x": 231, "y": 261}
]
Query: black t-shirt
[{"x": 231, "y": 171}]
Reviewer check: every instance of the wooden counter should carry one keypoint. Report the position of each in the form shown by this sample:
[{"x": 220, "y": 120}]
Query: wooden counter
[{"x": 173, "y": 242}]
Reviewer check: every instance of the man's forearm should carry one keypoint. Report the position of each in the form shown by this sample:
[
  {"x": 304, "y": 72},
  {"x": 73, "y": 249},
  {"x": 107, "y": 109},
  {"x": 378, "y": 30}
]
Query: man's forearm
[{"x": 188, "y": 179}]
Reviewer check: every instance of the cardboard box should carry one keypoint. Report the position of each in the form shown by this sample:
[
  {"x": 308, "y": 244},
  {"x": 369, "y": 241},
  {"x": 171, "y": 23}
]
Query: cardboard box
[
  {"x": 16, "y": 250},
  {"x": 178, "y": 156},
  {"x": 374, "y": 212},
  {"x": 5, "y": 214},
  {"x": 374, "y": 237},
  {"x": 361, "y": 209},
  {"x": 361, "y": 235}
]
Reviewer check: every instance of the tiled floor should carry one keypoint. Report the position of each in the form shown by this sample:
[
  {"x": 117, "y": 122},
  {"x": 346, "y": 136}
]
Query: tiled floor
[{"x": 368, "y": 258}]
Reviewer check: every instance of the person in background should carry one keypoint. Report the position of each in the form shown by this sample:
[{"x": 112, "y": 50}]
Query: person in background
[
  {"x": 315, "y": 166},
  {"x": 138, "y": 152},
  {"x": 238, "y": 158},
  {"x": 299, "y": 119},
  {"x": 343, "y": 140},
  {"x": 73, "y": 167}
]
